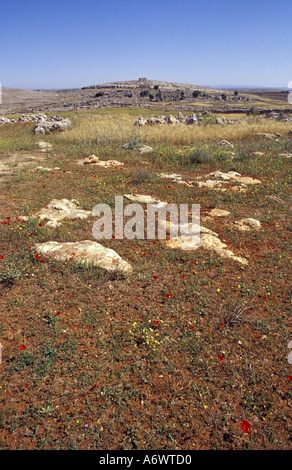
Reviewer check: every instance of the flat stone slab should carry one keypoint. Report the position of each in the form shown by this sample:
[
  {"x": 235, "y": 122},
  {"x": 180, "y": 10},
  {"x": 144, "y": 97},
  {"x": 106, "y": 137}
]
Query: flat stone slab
[
  {"x": 44, "y": 146},
  {"x": 248, "y": 224},
  {"x": 60, "y": 209},
  {"x": 144, "y": 199},
  {"x": 285, "y": 155},
  {"x": 42, "y": 168},
  {"x": 207, "y": 239},
  {"x": 85, "y": 252},
  {"x": 141, "y": 148},
  {"x": 225, "y": 143},
  {"x": 267, "y": 135},
  {"x": 218, "y": 213},
  {"x": 172, "y": 176},
  {"x": 93, "y": 160},
  {"x": 209, "y": 242}
]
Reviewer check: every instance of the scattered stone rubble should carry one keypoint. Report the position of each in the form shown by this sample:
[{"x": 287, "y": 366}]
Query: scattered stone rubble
[
  {"x": 192, "y": 119},
  {"x": 223, "y": 120},
  {"x": 44, "y": 124},
  {"x": 208, "y": 239},
  {"x": 48, "y": 125},
  {"x": 24, "y": 118},
  {"x": 275, "y": 116},
  {"x": 217, "y": 180}
]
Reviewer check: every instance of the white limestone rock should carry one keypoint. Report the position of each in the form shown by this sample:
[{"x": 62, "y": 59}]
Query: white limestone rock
[{"x": 85, "y": 252}]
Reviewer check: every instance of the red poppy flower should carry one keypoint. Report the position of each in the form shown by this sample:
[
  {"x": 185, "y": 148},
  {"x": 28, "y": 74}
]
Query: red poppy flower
[
  {"x": 156, "y": 323},
  {"x": 22, "y": 347},
  {"x": 38, "y": 256},
  {"x": 168, "y": 296},
  {"x": 40, "y": 225},
  {"x": 290, "y": 378},
  {"x": 1, "y": 257},
  {"x": 192, "y": 327},
  {"x": 57, "y": 314},
  {"x": 220, "y": 357},
  {"x": 245, "y": 426},
  {"x": 221, "y": 325},
  {"x": 264, "y": 297},
  {"x": 154, "y": 277}
]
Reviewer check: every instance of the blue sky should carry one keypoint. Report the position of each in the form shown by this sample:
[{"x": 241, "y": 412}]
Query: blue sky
[{"x": 70, "y": 44}]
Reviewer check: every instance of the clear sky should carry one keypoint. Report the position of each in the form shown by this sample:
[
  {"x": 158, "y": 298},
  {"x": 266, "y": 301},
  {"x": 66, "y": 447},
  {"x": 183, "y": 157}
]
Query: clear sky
[{"x": 70, "y": 44}]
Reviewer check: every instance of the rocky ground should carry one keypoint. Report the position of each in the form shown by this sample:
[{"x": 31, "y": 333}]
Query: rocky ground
[
  {"x": 139, "y": 94},
  {"x": 148, "y": 345}
]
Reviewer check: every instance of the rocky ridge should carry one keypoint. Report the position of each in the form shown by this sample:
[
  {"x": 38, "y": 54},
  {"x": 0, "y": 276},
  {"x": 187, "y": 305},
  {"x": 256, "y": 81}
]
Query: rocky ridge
[{"x": 138, "y": 93}]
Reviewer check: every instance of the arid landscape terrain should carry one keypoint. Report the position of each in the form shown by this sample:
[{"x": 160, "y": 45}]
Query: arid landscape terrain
[
  {"x": 141, "y": 93},
  {"x": 134, "y": 344}
]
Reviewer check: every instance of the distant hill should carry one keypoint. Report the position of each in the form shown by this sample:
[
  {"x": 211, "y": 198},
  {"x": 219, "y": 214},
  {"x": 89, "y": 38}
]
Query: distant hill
[
  {"x": 143, "y": 93},
  {"x": 144, "y": 82}
]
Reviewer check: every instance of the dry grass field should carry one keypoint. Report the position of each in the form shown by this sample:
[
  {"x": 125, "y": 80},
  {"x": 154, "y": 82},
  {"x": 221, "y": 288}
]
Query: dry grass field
[{"x": 190, "y": 350}]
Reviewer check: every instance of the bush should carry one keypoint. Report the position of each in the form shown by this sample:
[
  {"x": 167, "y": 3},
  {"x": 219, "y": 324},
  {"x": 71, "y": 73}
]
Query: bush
[
  {"x": 100, "y": 93},
  {"x": 199, "y": 155},
  {"x": 11, "y": 274},
  {"x": 252, "y": 111},
  {"x": 196, "y": 93},
  {"x": 195, "y": 156}
]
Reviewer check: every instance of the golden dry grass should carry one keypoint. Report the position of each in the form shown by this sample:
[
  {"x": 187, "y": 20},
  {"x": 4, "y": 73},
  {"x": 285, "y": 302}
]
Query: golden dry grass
[{"x": 120, "y": 129}]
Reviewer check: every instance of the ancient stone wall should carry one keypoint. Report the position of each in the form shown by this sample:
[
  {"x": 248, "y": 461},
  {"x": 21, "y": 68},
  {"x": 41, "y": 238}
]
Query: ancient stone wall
[{"x": 169, "y": 95}]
